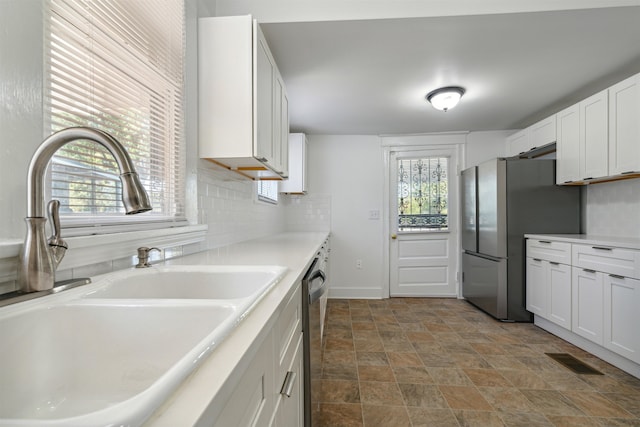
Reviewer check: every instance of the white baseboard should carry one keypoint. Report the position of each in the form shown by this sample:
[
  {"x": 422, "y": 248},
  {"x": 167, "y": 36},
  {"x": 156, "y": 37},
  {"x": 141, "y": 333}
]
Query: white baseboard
[
  {"x": 355, "y": 293},
  {"x": 605, "y": 354}
]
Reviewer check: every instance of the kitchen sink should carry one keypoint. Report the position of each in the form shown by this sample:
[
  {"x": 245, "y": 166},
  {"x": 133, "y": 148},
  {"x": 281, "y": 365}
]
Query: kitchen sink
[
  {"x": 190, "y": 282},
  {"x": 111, "y": 352},
  {"x": 80, "y": 364}
]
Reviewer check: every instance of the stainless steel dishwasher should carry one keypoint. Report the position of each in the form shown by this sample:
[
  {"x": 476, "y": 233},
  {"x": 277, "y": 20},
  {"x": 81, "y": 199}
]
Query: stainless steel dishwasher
[{"x": 314, "y": 289}]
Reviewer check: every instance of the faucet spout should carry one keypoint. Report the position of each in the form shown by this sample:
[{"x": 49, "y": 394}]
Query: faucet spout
[{"x": 39, "y": 258}]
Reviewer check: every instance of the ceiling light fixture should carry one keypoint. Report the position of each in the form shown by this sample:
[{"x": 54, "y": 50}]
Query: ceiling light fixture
[{"x": 445, "y": 98}]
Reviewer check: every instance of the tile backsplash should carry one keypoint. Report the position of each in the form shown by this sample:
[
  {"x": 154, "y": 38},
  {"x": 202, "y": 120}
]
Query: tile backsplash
[
  {"x": 229, "y": 208},
  {"x": 613, "y": 208},
  {"x": 308, "y": 212}
]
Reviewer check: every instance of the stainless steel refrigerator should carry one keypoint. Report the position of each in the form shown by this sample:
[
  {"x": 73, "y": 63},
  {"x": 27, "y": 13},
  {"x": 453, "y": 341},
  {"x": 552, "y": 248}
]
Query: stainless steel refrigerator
[{"x": 502, "y": 200}]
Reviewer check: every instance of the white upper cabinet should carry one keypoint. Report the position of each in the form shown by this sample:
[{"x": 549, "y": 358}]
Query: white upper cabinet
[
  {"x": 535, "y": 136},
  {"x": 242, "y": 103},
  {"x": 594, "y": 136},
  {"x": 568, "y": 145},
  {"x": 598, "y": 139},
  {"x": 624, "y": 126},
  {"x": 518, "y": 143},
  {"x": 542, "y": 133},
  {"x": 582, "y": 147},
  {"x": 297, "y": 182}
]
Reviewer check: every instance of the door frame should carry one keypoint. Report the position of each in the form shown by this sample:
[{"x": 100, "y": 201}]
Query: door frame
[{"x": 455, "y": 143}]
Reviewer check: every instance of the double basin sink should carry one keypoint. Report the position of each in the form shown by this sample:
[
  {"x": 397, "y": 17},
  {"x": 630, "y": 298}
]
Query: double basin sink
[{"x": 112, "y": 352}]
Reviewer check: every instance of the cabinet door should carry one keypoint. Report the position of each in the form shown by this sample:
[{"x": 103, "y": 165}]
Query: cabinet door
[
  {"x": 568, "y": 146},
  {"x": 290, "y": 409},
  {"x": 518, "y": 143},
  {"x": 594, "y": 136},
  {"x": 587, "y": 307},
  {"x": 263, "y": 100},
  {"x": 297, "y": 182},
  {"x": 276, "y": 147},
  {"x": 284, "y": 126},
  {"x": 281, "y": 127},
  {"x": 542, "y": 133},
  {"x": 252, "y": 403},
  {"x": 621, "y": 316},
  {"x": 624, "y": 126},
  {"x": 559, "y": 294},
  {"x": 537, "y": 286}
]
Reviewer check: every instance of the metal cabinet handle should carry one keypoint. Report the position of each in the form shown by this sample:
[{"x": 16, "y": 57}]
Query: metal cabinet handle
[
  {"x": 537, "y": 260},
  {"x": 289, "y": 382},
  {"x": 628, "y": 172},
  {"x": 602, "y": 248},
  {"x": 554, "y": 263},
  {"x": 616, "y": 276},
  {"x": 544, "y": 241},
  {"x": 261, "y": 159},
  {"x": 587, "y": 270}
]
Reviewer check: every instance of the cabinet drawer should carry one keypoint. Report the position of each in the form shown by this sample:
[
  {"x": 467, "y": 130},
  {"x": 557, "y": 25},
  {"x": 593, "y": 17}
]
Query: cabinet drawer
[
  {"x": 549, "y": 250},
  {"x": 288, "y": 328},
  {"x": 622, "y": 262}
]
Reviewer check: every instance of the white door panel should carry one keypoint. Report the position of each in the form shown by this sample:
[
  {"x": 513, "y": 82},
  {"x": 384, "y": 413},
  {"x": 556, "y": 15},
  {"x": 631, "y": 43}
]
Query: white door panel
[
  {"x": 422, "y": 258},
  {"x": 424, "y": 249}
]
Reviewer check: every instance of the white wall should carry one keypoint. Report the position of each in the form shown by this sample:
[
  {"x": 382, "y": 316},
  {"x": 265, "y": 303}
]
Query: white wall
[
  {"x": 21, "y": 124},
  {"x": 349, "y": 170}
]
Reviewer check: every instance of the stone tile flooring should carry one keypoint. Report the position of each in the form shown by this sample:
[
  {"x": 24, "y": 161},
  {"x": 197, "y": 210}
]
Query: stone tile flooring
[{"x": 441, "y": 362}]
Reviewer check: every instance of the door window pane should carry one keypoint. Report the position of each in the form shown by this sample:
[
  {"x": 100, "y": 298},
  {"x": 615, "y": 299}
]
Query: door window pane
[{"x": 423, "y": 194}]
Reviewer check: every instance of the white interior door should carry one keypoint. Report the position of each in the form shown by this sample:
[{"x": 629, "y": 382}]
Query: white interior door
[{"x": 423, "y": 248}]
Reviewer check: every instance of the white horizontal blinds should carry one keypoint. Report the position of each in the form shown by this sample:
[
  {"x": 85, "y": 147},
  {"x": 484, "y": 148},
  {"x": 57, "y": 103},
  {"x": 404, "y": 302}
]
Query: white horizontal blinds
[
  {"x": 116, "y": 65},
  {"x": 268, "y": 191}
]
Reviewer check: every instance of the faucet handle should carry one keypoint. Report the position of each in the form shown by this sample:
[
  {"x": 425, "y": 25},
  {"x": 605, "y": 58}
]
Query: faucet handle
[{"x": 57, "y": 245}]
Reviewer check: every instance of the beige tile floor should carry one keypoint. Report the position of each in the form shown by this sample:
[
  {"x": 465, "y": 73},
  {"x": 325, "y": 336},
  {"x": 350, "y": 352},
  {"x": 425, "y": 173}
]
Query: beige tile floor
[{"x": 441, "y": 362}]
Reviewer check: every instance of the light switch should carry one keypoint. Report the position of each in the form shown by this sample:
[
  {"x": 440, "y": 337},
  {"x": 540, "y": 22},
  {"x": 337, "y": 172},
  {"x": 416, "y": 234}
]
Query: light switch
[{"x": 374, "y": 214}]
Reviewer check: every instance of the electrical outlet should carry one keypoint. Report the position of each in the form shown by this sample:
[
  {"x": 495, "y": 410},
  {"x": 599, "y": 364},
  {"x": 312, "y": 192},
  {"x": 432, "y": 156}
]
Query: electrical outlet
[{"x": 359, "y": 264}]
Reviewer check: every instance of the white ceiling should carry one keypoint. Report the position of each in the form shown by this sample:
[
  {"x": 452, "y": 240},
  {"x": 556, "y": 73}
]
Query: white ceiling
[{"x": 371, "y": 76}]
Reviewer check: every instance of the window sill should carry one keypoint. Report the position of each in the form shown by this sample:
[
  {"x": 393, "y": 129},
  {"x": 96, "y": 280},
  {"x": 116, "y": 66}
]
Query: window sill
[{"x": 98, "y": 248}]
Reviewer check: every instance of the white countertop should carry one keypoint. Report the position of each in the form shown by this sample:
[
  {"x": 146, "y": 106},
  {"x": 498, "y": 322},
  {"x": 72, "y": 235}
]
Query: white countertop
[
  {"x": 225, "y": 365},
  {"x": 590, "y": 239}
]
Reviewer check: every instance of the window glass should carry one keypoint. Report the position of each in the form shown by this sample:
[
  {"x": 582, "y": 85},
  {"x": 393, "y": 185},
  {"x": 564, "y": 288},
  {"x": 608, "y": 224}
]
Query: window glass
[
  {"x": 423, "y": 194},
  {"x": 118, "y": 66}
]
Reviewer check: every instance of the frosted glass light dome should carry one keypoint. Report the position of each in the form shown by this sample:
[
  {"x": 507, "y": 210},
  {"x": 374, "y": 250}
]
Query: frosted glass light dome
[{"x": 445, "y": 98}]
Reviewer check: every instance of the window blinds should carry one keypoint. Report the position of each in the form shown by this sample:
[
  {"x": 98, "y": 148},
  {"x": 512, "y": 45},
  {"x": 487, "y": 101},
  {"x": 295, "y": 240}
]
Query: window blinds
[
  {"x": 267, "y": 191},
  {"x": 116, "y": 65}
]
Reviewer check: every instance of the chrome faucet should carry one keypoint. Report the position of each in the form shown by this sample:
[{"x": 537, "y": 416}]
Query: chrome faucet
[{"x": 40, "y": 258}]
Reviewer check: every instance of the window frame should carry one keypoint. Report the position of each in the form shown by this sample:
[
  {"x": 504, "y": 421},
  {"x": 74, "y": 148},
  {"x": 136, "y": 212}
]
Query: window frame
[{"x": 173, "y": 168}]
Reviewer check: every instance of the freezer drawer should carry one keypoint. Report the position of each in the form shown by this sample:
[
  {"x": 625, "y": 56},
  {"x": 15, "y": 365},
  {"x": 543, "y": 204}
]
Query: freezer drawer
[{"x": 484, "y": 283}]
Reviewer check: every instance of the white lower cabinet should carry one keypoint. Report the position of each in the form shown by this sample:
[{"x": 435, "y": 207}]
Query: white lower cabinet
[
  {"x": 587, "y": 313},
  {"x": 622, "y": 316},
  {"x": 549, "y": 290},
  {"x": 252, "y": 401},
  {"x": 537, "y": 286},
  {"x": 559, "y": 294},
  {"x": 290, "y": 408},
  {"x": 270, "y": 389},
  {"x": 596, "y": 299}
]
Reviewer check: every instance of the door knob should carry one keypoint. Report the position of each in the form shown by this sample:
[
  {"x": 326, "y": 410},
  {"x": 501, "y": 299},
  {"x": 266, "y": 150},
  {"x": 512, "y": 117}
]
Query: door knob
[{"x": 394, "y": 236}]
